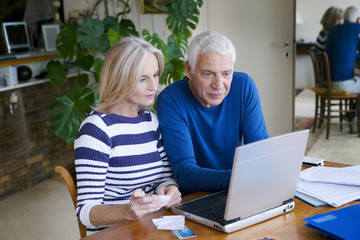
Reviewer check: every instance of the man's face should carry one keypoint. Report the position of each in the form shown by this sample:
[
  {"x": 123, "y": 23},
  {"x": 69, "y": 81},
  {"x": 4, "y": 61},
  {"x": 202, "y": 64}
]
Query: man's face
[{"x": 211, "y": 80}]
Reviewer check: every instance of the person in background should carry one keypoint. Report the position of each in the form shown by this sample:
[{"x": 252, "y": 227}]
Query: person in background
[
  {"x": 207, "y": 114},
  {"x": 342, "y": 47},
  {"x": 332, "y": 17},
  {"x": 118, "y": 149}
]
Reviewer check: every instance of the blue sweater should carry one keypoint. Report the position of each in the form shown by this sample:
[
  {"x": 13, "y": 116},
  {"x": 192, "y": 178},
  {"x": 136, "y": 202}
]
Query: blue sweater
[
  {"x": 200, "y": 142},
  {"x": 342, "y": 45}
]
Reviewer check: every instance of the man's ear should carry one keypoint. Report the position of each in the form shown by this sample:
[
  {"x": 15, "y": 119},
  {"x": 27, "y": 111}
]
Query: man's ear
[
  {"x": 188, "y": 69},
  {"x": 358, "y": 20}
]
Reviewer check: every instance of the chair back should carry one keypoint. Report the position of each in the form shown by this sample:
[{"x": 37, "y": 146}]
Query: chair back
[
  {"x": 321, "y": 67},
  {"x": 70, "y": 180}
]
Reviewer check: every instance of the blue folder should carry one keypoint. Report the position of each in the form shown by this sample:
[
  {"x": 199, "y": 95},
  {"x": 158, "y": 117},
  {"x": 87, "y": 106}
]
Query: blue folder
[{"x": 339, "y": 224}]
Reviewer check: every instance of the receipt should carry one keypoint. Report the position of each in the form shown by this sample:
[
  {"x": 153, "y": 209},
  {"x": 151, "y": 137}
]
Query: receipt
[
  {"x": 165, "y": 199},
  {"x": 176, "y": 222}
]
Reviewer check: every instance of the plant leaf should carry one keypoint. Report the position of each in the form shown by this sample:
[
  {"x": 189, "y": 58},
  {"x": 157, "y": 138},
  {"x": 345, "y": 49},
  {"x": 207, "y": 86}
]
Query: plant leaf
[
  {"x": 183, "y": 16},
  {"x": 113, "y": 36},
  {"x": 98, "y": 63},
  {"x": 66, "y": 42},
  {"x": 83, "y": 79},
  {"x": 127, "y": 28},
  {"x": 68, "y": 112},
  {"x": 110, "y": 22},
  {"x": 86, "y": 62},
  {"x": 56, "y": 72},
  {"x": 92, "y": 35}
]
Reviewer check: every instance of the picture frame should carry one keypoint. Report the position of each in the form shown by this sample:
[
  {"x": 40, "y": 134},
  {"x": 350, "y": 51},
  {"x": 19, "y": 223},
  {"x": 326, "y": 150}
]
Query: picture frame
[
  {"x": 155, "y": 6},
  {"x": 50, "y": 32}
]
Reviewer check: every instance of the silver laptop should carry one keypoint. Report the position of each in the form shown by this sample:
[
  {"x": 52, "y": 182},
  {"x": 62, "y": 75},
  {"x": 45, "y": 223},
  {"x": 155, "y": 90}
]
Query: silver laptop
[{"x": 262, "y": 185}]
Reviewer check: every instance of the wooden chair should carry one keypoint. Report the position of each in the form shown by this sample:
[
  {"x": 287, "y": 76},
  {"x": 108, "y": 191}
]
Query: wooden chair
[
  {"x": 327, "y": 98},
  {"x": 70, "y": 180}
]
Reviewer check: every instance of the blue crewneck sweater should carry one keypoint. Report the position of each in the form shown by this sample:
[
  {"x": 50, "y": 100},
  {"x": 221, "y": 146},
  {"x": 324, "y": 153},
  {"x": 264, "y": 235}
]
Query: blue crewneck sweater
[
  {"x": 200, "y": 142},
  {"x": 342, "y": 45}
]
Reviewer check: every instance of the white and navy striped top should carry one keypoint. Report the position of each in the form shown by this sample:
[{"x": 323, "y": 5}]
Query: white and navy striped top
[
  {"x": 321, "y": 42},
  {"x": 115, "y": 155}
]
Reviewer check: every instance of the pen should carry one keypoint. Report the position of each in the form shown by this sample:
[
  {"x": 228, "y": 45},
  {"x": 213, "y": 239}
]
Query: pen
[{"x": 133, "y": 204}]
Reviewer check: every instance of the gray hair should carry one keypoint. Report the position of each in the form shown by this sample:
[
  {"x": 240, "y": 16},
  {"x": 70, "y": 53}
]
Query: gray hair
[
  {"x": 209, "y": 42},
  {"x": 351, "y": 14}
]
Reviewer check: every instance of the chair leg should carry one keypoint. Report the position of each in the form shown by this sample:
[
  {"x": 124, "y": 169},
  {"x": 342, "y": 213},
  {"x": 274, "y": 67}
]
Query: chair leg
[
  {"x": 358, "y": 116},
  {"x": 316, "y": 112},
  {"x": 341, "y": 113},
  {"x": 322, "y": 110},
  {"x": 328, "y": 119}
]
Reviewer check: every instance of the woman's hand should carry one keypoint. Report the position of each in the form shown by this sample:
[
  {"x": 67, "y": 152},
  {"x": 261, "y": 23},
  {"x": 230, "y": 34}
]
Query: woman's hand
[
  {"x": 144, "y": 204},
  {"x": 173, "y": 192}
]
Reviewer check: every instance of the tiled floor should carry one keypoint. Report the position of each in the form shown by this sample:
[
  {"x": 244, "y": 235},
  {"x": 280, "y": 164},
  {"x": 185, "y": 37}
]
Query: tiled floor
[{"x": 46, "y": 211}]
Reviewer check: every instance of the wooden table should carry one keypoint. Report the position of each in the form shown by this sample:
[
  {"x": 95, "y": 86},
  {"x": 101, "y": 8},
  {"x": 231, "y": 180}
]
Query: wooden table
[{"x": 284, "y": 227}]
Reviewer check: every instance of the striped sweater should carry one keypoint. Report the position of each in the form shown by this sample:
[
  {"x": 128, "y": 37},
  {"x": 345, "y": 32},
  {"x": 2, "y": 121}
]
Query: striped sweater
[{"x": 115, "y": 155}]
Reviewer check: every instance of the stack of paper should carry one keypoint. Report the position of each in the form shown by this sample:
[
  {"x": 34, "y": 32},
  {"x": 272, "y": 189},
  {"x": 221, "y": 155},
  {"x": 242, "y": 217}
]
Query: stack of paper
[
  {"x": 327, "y": 185},
  {"x": 338, "y": 224}
]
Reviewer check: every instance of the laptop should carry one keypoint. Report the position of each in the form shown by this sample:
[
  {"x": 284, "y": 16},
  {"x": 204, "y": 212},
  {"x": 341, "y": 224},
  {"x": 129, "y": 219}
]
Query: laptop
[{"x": 263, "y": 182}]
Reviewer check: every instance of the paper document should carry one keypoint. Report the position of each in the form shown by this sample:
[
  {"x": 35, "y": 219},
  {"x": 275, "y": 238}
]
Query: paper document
[
  {"x": 347, "y": 175},
  {"x": 333, "y": 186},
  {"x": 333, "y": 194}
]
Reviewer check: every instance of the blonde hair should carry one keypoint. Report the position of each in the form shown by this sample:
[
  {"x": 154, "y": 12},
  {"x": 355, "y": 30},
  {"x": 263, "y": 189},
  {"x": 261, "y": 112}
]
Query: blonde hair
[
  {"x": 122, "y": 70},
  {"x": 331, "y": 17}
]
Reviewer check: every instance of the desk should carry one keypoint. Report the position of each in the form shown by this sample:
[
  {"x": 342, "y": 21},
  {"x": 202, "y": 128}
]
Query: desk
[
  {"x": 287, "y": 226},
  {"x": 303, "y": 48}
]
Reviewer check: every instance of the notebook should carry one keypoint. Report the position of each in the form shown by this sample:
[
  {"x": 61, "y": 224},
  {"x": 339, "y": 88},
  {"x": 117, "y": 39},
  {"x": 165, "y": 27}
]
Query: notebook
[{"x": 263, "y": 182}]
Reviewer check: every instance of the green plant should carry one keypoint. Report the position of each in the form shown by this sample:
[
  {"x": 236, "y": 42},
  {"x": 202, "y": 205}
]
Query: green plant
[{"x": 86, "y": 46}]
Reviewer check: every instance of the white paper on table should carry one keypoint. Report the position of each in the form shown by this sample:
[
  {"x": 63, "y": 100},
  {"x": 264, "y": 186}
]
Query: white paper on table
[
  {"x": 333, "y": 194},
  {"x": 347, "y": 175},
  {"x": 176, "y": 222}
]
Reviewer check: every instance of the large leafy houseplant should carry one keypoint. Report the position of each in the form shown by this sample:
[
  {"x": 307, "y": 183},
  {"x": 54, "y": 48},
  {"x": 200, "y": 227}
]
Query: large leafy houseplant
[{"x": 87, "y": 44}]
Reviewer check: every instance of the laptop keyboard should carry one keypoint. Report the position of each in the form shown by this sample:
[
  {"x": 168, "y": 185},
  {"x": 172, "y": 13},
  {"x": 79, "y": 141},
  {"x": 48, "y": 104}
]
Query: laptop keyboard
[{"x": 215, "y": 213}]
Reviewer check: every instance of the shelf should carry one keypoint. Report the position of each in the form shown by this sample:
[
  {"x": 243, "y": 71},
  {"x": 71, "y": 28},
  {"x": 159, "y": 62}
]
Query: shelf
[
  {"x": 37, "y": 61},
  {"x": 32, "y": 82},
  {"x": 32, "y": 57}
]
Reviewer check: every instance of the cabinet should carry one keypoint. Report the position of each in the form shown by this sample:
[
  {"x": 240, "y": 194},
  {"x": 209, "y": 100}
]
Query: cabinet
[{"x": 36, "y": 61}]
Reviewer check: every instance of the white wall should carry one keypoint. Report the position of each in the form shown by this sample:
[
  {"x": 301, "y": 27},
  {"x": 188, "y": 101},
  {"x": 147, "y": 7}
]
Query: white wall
[{"x": 311, "y": 12}]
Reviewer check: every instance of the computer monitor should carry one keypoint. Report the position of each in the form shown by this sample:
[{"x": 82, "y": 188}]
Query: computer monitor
[{"x": 16, "y": 37}]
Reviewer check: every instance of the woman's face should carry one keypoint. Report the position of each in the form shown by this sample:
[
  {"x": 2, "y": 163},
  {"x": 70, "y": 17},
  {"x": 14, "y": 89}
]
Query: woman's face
[{"x": 146, "y": 87}]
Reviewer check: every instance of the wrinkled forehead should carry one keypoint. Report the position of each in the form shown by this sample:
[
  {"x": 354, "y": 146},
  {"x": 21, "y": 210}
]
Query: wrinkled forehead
[{"x": 214, "y": 62}]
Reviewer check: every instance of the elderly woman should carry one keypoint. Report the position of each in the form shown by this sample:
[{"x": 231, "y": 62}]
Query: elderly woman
[{"x": 332, "y": 17}]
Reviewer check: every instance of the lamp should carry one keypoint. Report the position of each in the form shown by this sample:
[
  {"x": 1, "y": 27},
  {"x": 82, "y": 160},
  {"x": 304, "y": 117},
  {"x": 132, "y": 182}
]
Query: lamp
[{"x": 57, "y": 5}]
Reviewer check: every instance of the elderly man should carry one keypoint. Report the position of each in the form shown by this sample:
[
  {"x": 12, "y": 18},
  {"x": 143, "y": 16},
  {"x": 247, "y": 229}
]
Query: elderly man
[
  {"x": 206, "y": 115},
  {"x": 342, "y": 47}
]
